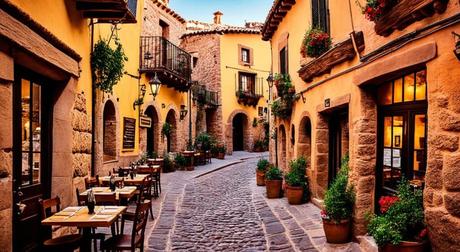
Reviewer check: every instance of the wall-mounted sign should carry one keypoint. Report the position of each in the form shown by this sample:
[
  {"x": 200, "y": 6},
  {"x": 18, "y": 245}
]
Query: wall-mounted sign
[
  {"x": 327, "y": 103},
  {"x": 145, "y": 122},
  {"x": 129, "y": 132}
]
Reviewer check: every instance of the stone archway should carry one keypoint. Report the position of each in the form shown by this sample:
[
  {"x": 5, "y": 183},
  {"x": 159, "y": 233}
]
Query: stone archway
[
  {"x": 109, "y": 132},
  {"x": 150, "y": 136},
  {"x": 304, "y": 141},
  {"x": 238, "y": 120},
  {"x": 282, "y": 148},
  {"x": 171, "y": 140}
]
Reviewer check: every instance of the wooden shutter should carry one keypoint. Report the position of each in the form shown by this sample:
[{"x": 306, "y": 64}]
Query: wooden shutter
[{"x": 320, "y": 15}]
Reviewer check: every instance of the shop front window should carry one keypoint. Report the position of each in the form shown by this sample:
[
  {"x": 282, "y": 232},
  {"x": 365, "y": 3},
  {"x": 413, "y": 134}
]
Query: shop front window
[{"x": 402, "y": 134}]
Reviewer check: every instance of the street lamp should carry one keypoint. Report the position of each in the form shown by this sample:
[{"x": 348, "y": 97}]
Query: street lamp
[
  {"x": 183, "y": 112},
  {"x": 271, "y": 80},
  {"x": 155, "y": 85}
]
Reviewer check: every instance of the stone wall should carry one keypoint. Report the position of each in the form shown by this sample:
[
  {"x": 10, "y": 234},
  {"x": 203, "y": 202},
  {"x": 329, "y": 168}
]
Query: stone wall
[
  {"x": 151, "y": 24},
  {"x": 81, "y": 138}
]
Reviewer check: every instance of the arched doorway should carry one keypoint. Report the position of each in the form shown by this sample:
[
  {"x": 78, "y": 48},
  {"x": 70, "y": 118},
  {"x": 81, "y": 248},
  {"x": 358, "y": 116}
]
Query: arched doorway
[
  {"x": 282, "y": 154},
  {"x": 304, "y": 142},
  {"x": 152, "y": 132},
  {"x": 239, "y": 125},
  {"x": 172, "y": 138},
  {"x": 109, "y": 143}
]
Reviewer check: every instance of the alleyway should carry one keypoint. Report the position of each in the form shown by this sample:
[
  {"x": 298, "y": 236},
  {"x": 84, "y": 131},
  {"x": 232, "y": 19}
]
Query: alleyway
[{"x": 225, "y": 211}]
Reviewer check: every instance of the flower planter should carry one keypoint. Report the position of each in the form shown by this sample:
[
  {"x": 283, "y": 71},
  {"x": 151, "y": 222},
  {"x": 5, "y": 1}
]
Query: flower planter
[
  {"x": 405, "y": 246},
  {"x": 220, "y": 155},
  {"x": 273, "y": 188},
  {"x": 190, "y": 168},
  {"x": 260, "y": 178},
  {"x": 294, "y": 194},
  {"x": 337, "y": 233}
]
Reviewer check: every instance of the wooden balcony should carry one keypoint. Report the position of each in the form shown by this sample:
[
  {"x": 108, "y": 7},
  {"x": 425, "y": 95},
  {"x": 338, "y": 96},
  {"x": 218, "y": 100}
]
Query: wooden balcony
[
  {"x": 406, "y": 12},
  {"x": 207, "y": 98},
  {"x": 109, "y": 11},
  {"x": 250, "y": 93},
  {"x": 171, "y": 63}
]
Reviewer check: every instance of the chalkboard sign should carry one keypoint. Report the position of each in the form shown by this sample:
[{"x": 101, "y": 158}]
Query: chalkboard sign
[{"x": 129, "y": 132}]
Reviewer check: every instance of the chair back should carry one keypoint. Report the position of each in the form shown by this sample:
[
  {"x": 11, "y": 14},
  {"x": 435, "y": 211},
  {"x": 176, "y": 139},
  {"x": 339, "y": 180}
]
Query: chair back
[
  {"x": 106, "y": 199},
  {"x": 92, "y": 182},
  {"x": 144, "y": 170},
  {"x": 140, "y": 221},
  {"x": 46, "y": 206},
  {"x": 81, "y": 199},
  {"x": 146, "y": 189}
]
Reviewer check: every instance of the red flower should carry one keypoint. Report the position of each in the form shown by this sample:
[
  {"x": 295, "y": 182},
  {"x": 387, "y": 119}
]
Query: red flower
[
  {"x": 386, "y": 202},
  {"x": 423, "y": 233}
]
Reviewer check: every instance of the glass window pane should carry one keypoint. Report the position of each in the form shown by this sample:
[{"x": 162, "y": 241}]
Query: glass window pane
[
  {"x": 409, "y": 88},
  {"x": 387, "y": 131},
  {"x": 398, "y": 91},
  {"x": 419, "y": 149},
  {"x": 398, "y": 124},
  {"x": 385, "y": 94},
  {"x": 420, "y": 81},
  {"x": 35, "y": 131},
  {"x": 25, "y": 129}
]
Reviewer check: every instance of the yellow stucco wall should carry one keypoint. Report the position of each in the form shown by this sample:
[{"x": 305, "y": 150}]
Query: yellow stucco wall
[{"x": 229, "y": 58}]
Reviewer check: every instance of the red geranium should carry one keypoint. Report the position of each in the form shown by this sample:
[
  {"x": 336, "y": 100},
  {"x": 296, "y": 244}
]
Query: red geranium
[
  {"x": 374, "y": 9},
  {"x": 386, "y": 202}
]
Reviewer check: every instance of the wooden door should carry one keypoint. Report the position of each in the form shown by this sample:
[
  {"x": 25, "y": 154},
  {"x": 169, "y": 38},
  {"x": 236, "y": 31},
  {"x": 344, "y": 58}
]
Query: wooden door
[
  {"x": 32, "y": 110},
  {"x": 238, "y": 133}
]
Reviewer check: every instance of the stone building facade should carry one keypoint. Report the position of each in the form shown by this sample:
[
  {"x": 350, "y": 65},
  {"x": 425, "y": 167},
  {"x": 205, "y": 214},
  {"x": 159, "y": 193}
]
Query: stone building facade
[
  {"x": 216, "y": 49},
  {"x": 344, "y": 105}
]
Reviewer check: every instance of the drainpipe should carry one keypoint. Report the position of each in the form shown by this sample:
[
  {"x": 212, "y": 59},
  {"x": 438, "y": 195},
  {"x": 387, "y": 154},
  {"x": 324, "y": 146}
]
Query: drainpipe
[
  {"x": 189, "y": 116},
  {"x": 93, "y": 108}
]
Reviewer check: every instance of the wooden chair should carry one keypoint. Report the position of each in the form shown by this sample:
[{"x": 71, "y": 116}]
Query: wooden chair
[
  {"x": 136, "y": 239},
  {"x": 62, "y": 243},
  {"x": 208, "y": 156},
  {"x": 81, "y": 199},
  {"x": 109, "y": 199},
  {"x": 92, "y": 182},
  {"x": 145, "y": 196}
]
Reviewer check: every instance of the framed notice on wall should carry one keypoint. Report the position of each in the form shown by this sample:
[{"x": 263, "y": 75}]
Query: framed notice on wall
[{"x": 129, "y": 132}]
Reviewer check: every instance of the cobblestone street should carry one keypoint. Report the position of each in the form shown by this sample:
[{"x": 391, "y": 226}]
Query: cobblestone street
[{"x": 224, "y": 210}]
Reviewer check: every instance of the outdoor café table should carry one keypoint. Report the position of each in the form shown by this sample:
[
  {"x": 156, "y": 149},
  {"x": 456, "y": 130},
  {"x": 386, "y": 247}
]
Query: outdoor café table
[
  {"x": 136, "y": 181},
  {"x": 104, "y": 216},
  {"x": 189, "y": 156},
  {"x": 156, "y": 161},
  {"x": 124, "y": 193},
  {"x": 142, "y": 168}
]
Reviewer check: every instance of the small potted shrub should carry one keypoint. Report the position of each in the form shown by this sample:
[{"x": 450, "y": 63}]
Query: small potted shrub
[
  {"x": 168, "y": 164},
  {"x": 273, "y": 182},
  {"x": 315, "y": 43},
  {"x": 180, "y": 161},
  {"x": 338, "y": 204},
  {"x": 262, "y": 166},
  {"x": 400, "y": 226},
  {"x": 259, "y": 146},
  {"x": 375, "y": 9},
  {"x": 295, "y": 181},
  {"x": 221, "y": 149}
]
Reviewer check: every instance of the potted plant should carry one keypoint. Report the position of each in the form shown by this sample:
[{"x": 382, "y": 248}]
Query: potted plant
[
  {"x": 221, "y": 149},
  {"x": 180, "y": 161},
  {"x": 273, "y": 182},
  {"x": 315, "y": 43},
  {"x": 168, "y": 164},
  {"x": 166, "y": 129},
  {"x": 262, "y": 166},
  {"x": 338, "y": 207},
  {"x": 259, "y": 146},
  {"x": 295, "y": 181},
  {"x": 375, "y": 9},
  {"x": 400, "y": 226}
]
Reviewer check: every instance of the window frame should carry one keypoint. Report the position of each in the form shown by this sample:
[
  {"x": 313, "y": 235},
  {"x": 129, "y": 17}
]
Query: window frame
[
  {"x": 250, "y": 61},
  {"x": 320, "y": 17},
  {"x": 250, "y": 86}
]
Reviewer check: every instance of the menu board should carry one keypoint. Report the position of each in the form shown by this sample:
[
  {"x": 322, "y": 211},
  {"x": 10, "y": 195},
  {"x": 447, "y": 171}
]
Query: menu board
[{"x": 129, "y": 132}]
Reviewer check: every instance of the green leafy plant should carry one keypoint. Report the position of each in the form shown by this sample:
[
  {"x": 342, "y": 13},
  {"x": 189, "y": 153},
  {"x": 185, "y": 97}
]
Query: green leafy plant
[
  {"x": 340, "y": 197},
  {"x": 259, "y": 145},
  {"x": 375, "y": 9},
  {"x": 168, "y": 164},
  {"x": 180, "y": 160},
  {"x": 107, "y": 64},
  {"x": 402, "y": 221},
  {"x": 166, "y": 129},
  {"x": 221, "y": 149},
  {"x": 296, "y": 174},
  {"x": 204, "y": 141},
  {"x": 262, "y": 164},
  {"x": 315, "y": 43},
  {"x": 274, "y": 173},
  {"x": 254, "y": 122}
]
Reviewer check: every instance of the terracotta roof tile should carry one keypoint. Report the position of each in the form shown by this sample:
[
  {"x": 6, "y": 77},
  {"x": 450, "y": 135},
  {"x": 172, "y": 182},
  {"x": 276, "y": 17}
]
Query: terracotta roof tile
[
  {"x": 276, "y": 14},
  {"x": 219, "y": 29},
  {"x": 169, "y": 11}
]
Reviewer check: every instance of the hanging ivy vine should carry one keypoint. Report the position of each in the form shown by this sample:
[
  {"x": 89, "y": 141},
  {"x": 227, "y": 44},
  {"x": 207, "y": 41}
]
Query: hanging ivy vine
[{"x": 107, "y": 64}]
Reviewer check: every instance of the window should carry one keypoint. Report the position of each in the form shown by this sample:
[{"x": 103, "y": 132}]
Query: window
[
  {"x": 247, "y": 82},
  {"x": 320, "y": 15},
  {"x": 402, "y": 133},
  {"x": 284, "y": 61},
  {"x": 109, "y": 146},
  {"x": 261, "y": 111},
  {"x": 195, "y": 61},
  {"x": 164, "y": 29},
  {"x": 245, "y": 55}
]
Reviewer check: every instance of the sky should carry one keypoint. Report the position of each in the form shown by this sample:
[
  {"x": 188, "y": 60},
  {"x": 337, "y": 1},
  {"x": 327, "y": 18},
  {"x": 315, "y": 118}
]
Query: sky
[{"x": 236, "y": 12}]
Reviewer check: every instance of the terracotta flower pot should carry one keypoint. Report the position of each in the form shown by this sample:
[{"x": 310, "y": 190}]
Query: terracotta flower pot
[
  {"x": 337, "y": 233},
  {"x": 260, "y": 178},
  {"x": 294, "y": 194},
  {"x": 221, "y": 155},
  {"x": 273, "y": 188},
  {"x": 405, "y": 246}
]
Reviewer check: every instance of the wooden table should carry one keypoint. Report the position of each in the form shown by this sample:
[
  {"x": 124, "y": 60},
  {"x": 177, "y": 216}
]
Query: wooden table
[
  {"x": 104, "y": 216},
  {"x": 126, "y": 192},
  {"x": 156, "y": 161},
  {"x": 190, "y": 157},
  {"x": 136, "y": 181}
]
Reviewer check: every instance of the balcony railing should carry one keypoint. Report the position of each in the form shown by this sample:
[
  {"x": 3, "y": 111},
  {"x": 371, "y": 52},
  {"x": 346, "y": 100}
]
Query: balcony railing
[
  {"x": 171, "y": 63},
  {"x": 109, "y": 11},
  {"x": 250, "y": 93},
  {"x": 205, "y": 97}
]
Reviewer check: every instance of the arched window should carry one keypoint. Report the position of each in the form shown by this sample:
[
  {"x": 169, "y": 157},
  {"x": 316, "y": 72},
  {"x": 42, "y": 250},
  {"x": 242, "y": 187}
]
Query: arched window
[{"x": 109, "y": 132}]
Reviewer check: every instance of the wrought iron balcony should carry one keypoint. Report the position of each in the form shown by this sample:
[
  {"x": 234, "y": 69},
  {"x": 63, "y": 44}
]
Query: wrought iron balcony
[
  {"x": 171, "y": 63},
  {"x": 109, "y": 11},
  {"x": 205, "y": 97},
  {"x": 249, "y": 93}
]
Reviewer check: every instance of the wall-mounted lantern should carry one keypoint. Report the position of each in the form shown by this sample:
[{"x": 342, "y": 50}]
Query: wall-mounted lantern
[
  {"x": 183, "y": 112},
  {"x": 155, "y": 85}
]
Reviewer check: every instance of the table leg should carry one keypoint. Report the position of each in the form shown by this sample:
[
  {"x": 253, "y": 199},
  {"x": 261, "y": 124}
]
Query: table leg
[{"x": 86, "y": 242}]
